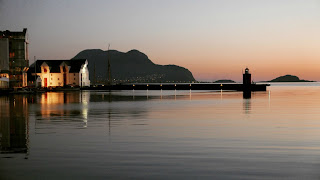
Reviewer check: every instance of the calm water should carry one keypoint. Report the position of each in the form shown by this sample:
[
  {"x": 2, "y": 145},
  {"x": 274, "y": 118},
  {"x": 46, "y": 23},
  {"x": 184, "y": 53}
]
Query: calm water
[{"x": 162, "y": 134}]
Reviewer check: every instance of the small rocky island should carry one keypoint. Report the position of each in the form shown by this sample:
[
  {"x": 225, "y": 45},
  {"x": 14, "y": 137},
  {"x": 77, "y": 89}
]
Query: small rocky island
[
  {"x": 224, "y": 81},
  {"x": 288, "y": 78}
]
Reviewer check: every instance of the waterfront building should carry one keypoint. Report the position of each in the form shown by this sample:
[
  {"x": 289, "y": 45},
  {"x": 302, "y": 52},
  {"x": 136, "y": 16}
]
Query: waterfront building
[
  {"x": 4, "y": 63},
  {"x": 17, "y": 45},
  {"x": 59, "y": 73}
]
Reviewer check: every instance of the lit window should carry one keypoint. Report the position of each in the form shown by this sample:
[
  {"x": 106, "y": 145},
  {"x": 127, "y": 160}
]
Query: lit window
[{"x": 11, "y": 55}]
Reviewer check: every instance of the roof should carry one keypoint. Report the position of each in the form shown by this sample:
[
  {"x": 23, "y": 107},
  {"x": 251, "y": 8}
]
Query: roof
[
  {"x": 9, "y": 34},
  {"x": 75, "y": 65}
]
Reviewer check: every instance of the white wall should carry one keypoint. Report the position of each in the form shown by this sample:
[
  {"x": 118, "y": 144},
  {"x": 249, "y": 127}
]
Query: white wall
[
  {"x": 73, "y": 79},
  {"x": 44, "y": 75},
  {"x": 84, "y": 71},
  {"x": 56, "y": 79}
]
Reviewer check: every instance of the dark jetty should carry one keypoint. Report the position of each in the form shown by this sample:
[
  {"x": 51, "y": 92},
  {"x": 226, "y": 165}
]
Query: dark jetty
[{"x": 181, "y": 86}]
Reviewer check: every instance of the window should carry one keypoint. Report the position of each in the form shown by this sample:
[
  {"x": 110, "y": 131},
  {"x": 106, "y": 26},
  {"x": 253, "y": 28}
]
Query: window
[
  {"x": 45, "y": 70},
  {"x": 51, "y": 78},
  {"x": 74, "y": 74},
  {"x": 74, "y": 78},
  {"x": 11, "y": 55},
  {"x": 58, "y": 79}
]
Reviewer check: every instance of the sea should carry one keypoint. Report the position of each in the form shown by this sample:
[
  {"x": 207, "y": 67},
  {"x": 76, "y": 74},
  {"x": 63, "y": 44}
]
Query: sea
[{"x": 160, "y": 134}]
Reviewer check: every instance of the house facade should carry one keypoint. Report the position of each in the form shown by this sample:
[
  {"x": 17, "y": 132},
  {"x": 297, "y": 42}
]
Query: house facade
[{"x": 59, "y": 73}]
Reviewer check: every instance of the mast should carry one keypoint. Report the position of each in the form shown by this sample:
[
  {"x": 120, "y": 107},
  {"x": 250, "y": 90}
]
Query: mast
[
  {"x": 94, "y": 75},
  {"x": 109, "y": 68},
  {"x": 35, "y": 71}
]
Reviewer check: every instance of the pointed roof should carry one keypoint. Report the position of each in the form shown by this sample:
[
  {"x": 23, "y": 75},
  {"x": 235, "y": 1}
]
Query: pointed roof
[{"x": 54, "y": 65}]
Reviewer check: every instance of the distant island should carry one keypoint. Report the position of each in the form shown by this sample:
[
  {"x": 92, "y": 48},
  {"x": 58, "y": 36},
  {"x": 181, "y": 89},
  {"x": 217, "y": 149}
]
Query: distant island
[
  {"x": 132, "y": 66},
  {"x": 224, "y": 81},
  {"x": 288, "y": 78}
]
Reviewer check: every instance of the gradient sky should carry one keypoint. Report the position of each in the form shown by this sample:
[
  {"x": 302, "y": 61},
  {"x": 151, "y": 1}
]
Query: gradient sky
[{"x": 213, "y": 39}]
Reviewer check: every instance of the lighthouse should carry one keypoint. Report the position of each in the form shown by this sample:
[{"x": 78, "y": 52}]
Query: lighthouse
[
  {"x": 246, "y": 84},
  {"x": 246, "y": 77}
]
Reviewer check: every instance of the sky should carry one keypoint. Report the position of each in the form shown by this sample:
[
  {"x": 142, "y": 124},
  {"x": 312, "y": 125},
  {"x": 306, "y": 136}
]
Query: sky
[{"x": 214, "y": 39}]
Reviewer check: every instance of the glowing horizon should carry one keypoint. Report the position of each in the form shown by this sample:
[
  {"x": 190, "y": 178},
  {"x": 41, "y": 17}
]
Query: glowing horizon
[{"x": 213, "y": 39}]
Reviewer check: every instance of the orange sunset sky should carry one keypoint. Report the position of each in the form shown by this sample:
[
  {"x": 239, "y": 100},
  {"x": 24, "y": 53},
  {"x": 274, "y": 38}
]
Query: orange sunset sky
[{"x": 214, "y": 39}]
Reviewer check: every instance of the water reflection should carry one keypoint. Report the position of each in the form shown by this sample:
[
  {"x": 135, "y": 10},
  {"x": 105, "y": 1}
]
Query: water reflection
[
  {"x": 174, "y": 134},
  {"x": 246, "y": 105},
  {"x": 247, "y": 94},
  {"x": 64, "y": 97},
  {"x": 70, "y": 108},
  {"x": 14, "y": 124},
  {"x": 59, "y": 107}
]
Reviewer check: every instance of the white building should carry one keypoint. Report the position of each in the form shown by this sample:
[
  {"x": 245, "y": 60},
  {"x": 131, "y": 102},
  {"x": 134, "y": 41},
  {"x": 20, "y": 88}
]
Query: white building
[{"x": 59, "y": 73}]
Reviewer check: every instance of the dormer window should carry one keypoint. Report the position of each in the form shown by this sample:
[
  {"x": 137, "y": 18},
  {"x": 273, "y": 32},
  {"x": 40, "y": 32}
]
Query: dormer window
[{"x": 45, "y": 70}]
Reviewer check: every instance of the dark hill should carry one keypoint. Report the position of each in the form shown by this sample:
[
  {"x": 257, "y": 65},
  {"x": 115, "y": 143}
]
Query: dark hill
[
  {"x": 224, "y": 81},
  {"x": 132, "y": 66},
  {"x": 288, "y": 78}
]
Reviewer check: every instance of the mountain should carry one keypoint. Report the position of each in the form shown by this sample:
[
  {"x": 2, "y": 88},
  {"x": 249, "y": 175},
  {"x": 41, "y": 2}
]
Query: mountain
[
  {"x": 132, "y": 66},
  {"x": 288, "y": 78}
]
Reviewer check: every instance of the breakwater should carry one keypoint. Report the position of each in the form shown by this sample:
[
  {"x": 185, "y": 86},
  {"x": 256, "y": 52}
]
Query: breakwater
[{"x": 180, "y": 86}]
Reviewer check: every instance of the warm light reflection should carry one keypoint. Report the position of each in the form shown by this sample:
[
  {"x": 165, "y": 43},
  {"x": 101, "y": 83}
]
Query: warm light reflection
[
  {"x": 51, "y": 103},
  {"x": 85, "y": 99},
  {"x": 85, "y": 116}
]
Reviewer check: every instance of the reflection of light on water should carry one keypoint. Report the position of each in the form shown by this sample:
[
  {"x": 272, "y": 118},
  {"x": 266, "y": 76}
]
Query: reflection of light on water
[
  {"x": 175, "y": 94},
  {"x": 247, "y": 106},
  {"x": 85, "y": 116},
  {"x": 133, "y": 94},
  {"x": 161, "y": 94},
  {"x": 147, "y": 94},
  {"x": 221, "y": 94},
  {"x": 85, "y": 99},
  {"x": 269, "y": 97},
  {"x": 190, "y": 93}
]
